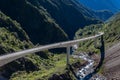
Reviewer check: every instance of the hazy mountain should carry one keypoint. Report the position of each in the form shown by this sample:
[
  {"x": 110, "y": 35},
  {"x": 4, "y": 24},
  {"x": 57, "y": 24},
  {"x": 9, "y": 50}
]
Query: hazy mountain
[
  {"x": 110, "y": 28},
  {"x": 112, "y": 5}
]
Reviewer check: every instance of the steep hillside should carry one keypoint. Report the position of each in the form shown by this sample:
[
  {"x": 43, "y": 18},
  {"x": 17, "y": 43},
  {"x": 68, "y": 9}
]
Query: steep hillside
[
  {"x": 24, "y": 23},
  {"x": 103, "y": 14},
  {"x": 53, "y": 18},
  {"x": 111, "y": 31},
  {"x": 11, "y": 35},
  {"x": 69, "y": 14},
  {"x": 110, "y": 28},
  {"x": 37, "y": 23},
  {"x": 112, "y": 5},
  {"x": 13, "y": 38},
  {"x": 41, "y": 65}
]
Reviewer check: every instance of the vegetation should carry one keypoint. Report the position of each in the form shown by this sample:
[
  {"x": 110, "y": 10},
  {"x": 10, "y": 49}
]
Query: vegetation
[
  {"x": 69, "y": 14},
  {"x": 37, "y": 23},
  {"x": 37, "y": 66},
  {"x": 27, "y": 24},
  {"x": 111, "y": 31},
  {"x": 56, "y": 64},
  {"x": 12, "y": 36}
]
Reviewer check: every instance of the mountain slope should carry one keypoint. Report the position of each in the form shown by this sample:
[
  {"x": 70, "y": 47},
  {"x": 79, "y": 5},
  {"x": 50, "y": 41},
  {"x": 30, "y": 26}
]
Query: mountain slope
[
  {"x": 40, "y": 65},
  {"x": 11, "y": 34},
  {"x": 13, "y": 38},
  {"x": 37, "y": 23},
  {"x": 103, "y": 14},
  {"x": 112, "y": 5},
  {"x": 69, "y": 14},
  {"x": 111, "y": 31}
]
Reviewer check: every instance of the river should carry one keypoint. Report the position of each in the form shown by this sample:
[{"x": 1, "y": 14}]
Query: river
[{"x": 87, "y": 72}]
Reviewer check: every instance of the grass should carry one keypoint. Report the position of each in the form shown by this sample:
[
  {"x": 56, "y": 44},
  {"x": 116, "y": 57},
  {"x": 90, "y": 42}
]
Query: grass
[{"x": 58, "y": 62}]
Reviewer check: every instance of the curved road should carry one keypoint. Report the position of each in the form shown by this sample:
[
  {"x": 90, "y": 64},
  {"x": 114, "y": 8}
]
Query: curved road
[{"x": 13, "y": 56}]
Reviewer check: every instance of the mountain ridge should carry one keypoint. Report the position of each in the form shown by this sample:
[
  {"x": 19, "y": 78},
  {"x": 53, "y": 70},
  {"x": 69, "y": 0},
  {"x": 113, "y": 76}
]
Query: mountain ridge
[
  {"x": 63, "y": 13},
  {"x": 34, "y": 21}
]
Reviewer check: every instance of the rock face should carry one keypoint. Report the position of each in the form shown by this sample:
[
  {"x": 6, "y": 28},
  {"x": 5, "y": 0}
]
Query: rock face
[{"x": 112, "y": 62}]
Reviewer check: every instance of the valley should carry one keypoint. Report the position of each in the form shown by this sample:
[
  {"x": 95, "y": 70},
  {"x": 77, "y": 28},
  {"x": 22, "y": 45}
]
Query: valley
[{"x": 26, "y": 24}]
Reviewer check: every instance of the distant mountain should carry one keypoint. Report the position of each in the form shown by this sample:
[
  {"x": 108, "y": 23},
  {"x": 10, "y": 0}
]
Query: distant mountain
[
  {"x": 103, "y": 14},
  {"x": 112, "y": 5},
  {"x": 111, "y": 31}
]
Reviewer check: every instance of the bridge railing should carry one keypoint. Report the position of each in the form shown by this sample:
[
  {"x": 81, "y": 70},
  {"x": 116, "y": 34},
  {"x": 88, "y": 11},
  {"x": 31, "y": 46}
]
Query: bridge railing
[{"x": 67, "y": 44}]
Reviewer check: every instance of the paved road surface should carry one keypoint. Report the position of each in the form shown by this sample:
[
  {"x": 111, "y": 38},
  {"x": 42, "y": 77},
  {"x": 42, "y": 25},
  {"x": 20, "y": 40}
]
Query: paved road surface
[{"x": 13, "y": 56}]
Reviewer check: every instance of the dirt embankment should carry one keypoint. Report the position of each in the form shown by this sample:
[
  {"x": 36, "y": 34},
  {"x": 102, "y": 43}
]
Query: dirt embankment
[{"x": 112, "y": 63}]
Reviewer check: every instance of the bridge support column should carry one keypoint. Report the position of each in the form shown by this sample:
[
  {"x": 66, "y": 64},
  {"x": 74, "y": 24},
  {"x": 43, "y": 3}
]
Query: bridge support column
[
  {"x": 68, "y": 56},
  {"x": 102, "y": 51}
]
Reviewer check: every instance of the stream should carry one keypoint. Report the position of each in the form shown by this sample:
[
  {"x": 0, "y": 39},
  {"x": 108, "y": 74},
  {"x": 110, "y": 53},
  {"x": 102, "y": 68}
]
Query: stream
[{"x": 88, "y": 71}]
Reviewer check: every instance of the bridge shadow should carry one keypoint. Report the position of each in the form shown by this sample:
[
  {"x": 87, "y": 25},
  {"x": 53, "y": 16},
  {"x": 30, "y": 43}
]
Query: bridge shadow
[{"x": 97, "y": 69}]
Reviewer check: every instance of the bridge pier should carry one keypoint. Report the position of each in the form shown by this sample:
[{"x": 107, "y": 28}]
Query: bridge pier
[{"x": 68, "y": 56}]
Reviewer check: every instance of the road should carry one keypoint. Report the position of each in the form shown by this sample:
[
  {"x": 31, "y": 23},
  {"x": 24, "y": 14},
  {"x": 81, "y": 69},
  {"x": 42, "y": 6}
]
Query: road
[{"x": 13, "y": 56}]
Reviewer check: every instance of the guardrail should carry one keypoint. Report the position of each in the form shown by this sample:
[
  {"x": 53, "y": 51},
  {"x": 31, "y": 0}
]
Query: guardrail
[{"x": 67, "y": 44}]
